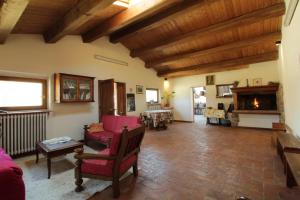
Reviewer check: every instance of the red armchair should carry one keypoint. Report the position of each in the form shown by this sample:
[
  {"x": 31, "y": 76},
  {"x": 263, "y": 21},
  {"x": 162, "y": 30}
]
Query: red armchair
[
  {"x": 111, "y": 125},
  {"x": 11, "y": 182},
  {"x": 111, "y": 163}
]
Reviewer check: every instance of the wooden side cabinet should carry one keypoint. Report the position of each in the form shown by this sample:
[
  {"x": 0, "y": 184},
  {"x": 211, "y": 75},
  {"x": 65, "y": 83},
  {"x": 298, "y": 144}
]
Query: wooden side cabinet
[{"x": 70, "y": 88}]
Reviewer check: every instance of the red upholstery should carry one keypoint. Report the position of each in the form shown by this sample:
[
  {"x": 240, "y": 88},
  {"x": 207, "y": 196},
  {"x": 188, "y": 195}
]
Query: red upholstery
[
  {"x": 105, "y": 167},
  {"x": 11, "y": 183},
  {"x": 114, "y": 125},
  {"x": 103, "y": 136}
]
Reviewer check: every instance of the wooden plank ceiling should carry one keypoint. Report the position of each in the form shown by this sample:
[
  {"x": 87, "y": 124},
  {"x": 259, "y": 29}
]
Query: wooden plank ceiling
[{"x": 174, "y": 37}]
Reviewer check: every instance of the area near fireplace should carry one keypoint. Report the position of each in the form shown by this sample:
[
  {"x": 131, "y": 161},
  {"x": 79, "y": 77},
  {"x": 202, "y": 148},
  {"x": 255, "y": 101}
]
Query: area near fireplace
[{"x": 256, "y": 106}]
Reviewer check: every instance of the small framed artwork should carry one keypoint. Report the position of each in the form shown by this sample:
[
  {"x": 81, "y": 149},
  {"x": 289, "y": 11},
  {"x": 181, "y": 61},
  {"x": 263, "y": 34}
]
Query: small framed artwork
[
  {"x": 210, "y": 80},
  {"x": 139, "y": 89},
  {"x": 130, "y": 102},
  {"x": 257, "y": 82}
]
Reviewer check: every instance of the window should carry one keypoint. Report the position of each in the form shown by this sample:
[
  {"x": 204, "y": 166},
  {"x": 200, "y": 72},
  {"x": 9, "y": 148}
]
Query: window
[
  {"x": 152, "y": 95},
  {"x": 22, "y": 93}
]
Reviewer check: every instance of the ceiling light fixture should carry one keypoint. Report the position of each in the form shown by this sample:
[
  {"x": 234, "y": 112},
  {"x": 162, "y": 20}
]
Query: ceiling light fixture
[
  {"x": 121, "y": 3},
  {"x": 278, "y": 43}
]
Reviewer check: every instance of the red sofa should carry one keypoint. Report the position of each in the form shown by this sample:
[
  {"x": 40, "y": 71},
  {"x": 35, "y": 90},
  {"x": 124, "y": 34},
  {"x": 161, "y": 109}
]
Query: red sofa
[
  {"x": 11, "y": 182},
  {"x": 112, "y": 125}
]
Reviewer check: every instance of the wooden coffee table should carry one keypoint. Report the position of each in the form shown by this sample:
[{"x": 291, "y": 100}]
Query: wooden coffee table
[{"x": 55, "y": 150}]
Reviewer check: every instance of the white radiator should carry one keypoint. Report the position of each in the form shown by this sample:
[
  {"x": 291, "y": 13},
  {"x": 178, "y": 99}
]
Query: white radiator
[{"x": 19, "y": 132}]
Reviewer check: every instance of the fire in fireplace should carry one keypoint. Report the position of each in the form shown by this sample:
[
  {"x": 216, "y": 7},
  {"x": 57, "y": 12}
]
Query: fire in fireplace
[{"x": 257, "y": 102}]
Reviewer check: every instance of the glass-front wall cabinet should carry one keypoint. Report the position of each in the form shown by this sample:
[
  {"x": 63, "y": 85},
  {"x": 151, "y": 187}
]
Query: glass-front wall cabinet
[{"x": 73, "y": 88}]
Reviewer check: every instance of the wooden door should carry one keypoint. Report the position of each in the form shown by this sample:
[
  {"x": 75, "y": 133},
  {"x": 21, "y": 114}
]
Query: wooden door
[
  {"x": 121, "y": 98},
  {"x": 106, "y": 97}
]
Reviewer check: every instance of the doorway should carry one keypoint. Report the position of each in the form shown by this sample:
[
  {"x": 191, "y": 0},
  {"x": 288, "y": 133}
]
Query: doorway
[
  {"x": 112, "y": 98},
  {"x": 199, "y": 104}
]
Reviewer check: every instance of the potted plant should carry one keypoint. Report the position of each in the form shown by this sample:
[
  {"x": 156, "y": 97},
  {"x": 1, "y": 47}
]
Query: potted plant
[{"x": 166, "y": 97}]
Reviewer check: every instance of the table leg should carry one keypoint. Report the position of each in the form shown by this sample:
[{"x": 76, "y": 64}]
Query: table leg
[
  {"x": 49, "y": 167},
  {"x": 37, "y": 155}
]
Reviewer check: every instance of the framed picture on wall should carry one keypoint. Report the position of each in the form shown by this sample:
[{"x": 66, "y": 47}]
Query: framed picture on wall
[
  {"x": 210, "y": 80},
  {"x": 224, "y": 91},
  {"x": 130, "y": 102},
  {"x": 257, "y": 82},
  {"x": 139, "y": 89}
]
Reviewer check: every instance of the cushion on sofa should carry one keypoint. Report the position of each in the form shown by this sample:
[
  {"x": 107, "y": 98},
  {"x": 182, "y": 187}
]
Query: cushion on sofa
[
  {"x": 130, "y": 121},
  {"x": 104, "y": 167},
  {"x": 96, "y": 128},
  {"x": 3, "y": 155},
  {"x": 109, "y": 122},
  {"x": 11, "y": 183},
  {"x": 116, "y": 123}
]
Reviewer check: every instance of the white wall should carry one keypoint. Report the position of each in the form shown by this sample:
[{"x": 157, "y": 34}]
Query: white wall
[
  {"x": 183, "y": 103},
  {"x": 290, "y": 71},
  {"x": 28, "y": 55}
]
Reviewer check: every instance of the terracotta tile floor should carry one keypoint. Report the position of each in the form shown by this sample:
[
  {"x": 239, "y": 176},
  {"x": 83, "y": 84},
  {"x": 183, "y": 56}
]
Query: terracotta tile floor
[{"x": 195, "y": 161}]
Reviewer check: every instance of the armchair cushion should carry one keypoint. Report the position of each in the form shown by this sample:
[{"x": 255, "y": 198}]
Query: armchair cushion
[{"x": 105, "y": 167}]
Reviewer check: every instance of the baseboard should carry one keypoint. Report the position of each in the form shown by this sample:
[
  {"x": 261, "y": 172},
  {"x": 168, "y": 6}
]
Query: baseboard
[
  {"x": 30, "y": 153},
  {"x": 258, "y": 128},
  {"x": 183, "y": 121}
]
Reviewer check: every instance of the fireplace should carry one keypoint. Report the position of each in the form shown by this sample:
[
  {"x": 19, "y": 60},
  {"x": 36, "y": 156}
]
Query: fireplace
[
  {"x": 256, "y": 107},
  {"x": 256, "y": 100}
]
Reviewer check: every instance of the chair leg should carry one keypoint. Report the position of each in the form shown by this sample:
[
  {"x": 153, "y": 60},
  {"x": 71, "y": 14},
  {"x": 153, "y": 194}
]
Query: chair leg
[
  {"x": 135, "y": 169},
  {"x": 78, "y": 181},
  {"x": 116, "y": 187}
]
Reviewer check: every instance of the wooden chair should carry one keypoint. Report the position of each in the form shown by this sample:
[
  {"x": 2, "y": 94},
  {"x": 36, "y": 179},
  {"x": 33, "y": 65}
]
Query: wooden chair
[{"x": 113, "y": 162}]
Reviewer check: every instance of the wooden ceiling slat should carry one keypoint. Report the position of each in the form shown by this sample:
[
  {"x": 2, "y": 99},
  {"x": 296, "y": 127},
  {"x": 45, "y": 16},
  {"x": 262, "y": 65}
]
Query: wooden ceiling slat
[
  {"x": 10, "y": 13},
  {"x": 227, "y": 63},
  {"x": 136, "y": 12},
  {"x": 158, "y": 19},
  {"x": 227, "y": 47},
  {"x": 76, "y": 17},
  {"x": 253, "y": 17}
]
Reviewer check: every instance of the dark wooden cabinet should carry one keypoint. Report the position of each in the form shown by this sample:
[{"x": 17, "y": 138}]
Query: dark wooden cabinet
[{"x": 70, "y": 88}]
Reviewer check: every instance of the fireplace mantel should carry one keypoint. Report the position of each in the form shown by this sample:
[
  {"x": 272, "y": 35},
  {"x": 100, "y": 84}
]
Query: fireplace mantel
[{"x": 263, "y": 89}]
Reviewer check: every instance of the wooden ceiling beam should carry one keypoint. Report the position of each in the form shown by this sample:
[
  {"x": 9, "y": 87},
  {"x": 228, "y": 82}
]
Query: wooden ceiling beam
[
  {"x": 134, "y": 13},
  {"x": 84, "y": 11},
  {"x": 270, "y": 37},
  {"x": 10, "y": 13},
  {"x": 158, "y": 19},
  {"x": 249, "y": 18},
  {"x": 205, "y": 71},
  {"x": 222, "y": 64}
]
